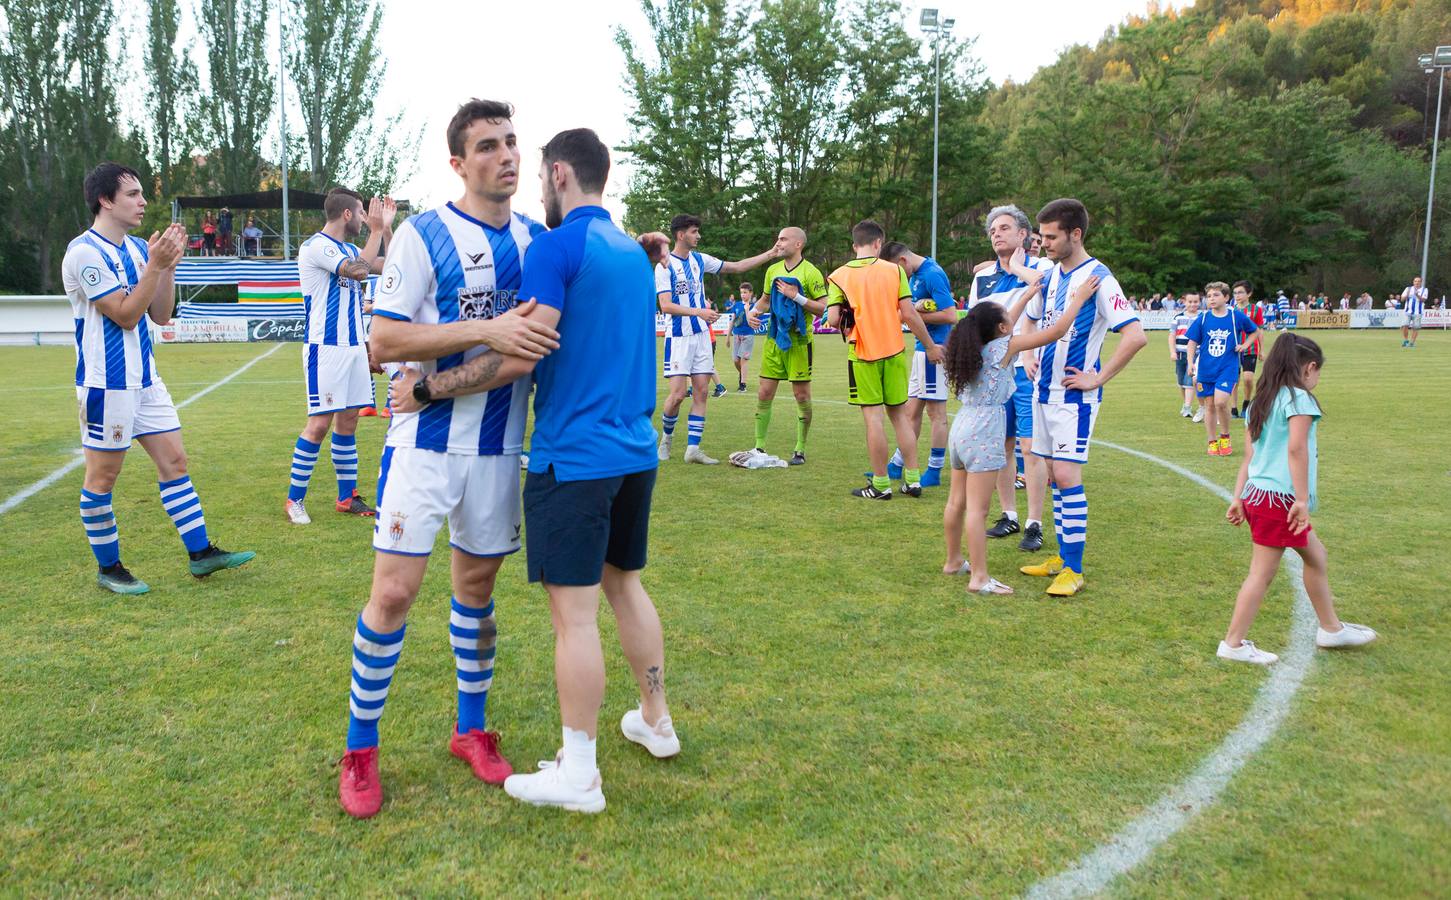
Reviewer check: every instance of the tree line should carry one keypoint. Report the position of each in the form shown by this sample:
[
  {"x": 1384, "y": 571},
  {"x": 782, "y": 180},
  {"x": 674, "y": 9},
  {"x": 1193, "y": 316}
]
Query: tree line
[
  {"x": 206, "y": 109},
  {"x": 1283, "y": 141}
]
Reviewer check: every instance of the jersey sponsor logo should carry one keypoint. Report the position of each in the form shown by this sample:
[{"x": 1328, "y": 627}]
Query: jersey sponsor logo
[
  {"x": 392, "y": 279},
  {"x": 91, "y": 275},
  {"x": 485, "y": 303},
  {"x": 1120, "y": 302}
]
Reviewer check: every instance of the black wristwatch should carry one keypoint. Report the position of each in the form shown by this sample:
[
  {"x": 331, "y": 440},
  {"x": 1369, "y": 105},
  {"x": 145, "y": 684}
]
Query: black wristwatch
[{"x": 421, "y": 393}]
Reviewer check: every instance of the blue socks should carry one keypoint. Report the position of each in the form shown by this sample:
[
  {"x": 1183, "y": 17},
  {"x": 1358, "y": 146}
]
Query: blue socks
[
  {"x": 472, "y": 633},
  {"x": 667, "y": 424},
  {"x": 938, "y": 457},
  {"x": 100, "y": 524},
  {"x": 304, "y": 457},
  {"x": 180, "y": 501},
  {"x": 345, "y": 463},
  {"x": 1073, "y": 504},
  {"x": 375, "y": 656},
  {"x": 696, "y": 425}
]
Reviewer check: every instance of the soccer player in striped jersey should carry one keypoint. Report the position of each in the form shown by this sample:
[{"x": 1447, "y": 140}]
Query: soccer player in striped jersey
[
  {"x": 1071, "y": 379},
  {"x": 689, "y": 356},
  {"x": 115, "y": 282},
  {"x": 1008, "y": 229},
  {"x": 1413, "y": 299},
  {"x": 447, "y": 295},
  {"x": 338, "y": 373}
]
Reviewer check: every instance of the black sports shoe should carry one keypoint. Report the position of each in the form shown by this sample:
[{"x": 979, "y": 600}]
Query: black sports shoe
[
  {"x": 355, "y": 506},
  {"x": 798, "y": 459},
  {"x": 1019, "y": 483},
  {"x": 870, "y": 492},
  {"x": 1234, "y": 412},
  {"x": 742, "y": 388},
  {"x": 1032, "y": 538},
  {"x": 912, "y": 490},
  {"x": 1004, "y": 527},
  {"x": 118, "y": 579}
]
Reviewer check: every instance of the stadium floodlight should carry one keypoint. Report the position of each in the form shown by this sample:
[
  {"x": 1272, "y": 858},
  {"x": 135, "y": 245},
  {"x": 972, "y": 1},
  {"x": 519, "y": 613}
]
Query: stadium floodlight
[
  {"x": 1443, "y": 56},
  {"x": 1440, "y": 62},
  {"x": 937, "y": 28},
  {"x": 1425, "y": 60}
]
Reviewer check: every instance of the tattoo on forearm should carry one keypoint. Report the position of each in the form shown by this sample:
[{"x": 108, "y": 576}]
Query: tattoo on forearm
[
  {"x": 459, "y": 379},
  {"x": 653, "y": 680},
  {"x": 355, "y": 269}
]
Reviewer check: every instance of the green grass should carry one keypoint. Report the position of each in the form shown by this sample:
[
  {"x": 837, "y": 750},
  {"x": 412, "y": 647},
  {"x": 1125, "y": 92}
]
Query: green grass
[{"x": 853, "y": 722}]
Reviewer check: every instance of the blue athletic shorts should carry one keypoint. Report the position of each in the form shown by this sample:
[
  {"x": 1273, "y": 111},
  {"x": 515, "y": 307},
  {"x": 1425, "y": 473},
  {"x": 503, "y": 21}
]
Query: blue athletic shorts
[
  {"x": 573, "y": 528},
  {"x": 1223, "y": 382},
  {"x": 1020, "y": 406}
]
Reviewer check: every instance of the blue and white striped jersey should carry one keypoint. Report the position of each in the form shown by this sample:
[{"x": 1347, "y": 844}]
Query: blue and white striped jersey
[
  {"x": 684, "y": 281},
  {"x": 332, "y": 304},
  {"x": 445, "y": 266},
  {"x": 1080, "y": 347},
  {"x": 107, "y": 355},
  {"x": 1413, "y": 301},
  {"x": 1001, "y": 286}
]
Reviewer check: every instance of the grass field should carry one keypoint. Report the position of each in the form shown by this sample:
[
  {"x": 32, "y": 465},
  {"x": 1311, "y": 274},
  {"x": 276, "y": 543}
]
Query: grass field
[{"x": 853, "y": 722}]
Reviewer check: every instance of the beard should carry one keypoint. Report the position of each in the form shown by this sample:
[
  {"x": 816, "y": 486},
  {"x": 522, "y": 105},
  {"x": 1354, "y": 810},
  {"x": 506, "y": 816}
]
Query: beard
[{"x": 553, "y": 213}]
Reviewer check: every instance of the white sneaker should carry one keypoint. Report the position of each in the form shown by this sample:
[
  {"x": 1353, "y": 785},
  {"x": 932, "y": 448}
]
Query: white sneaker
[
  {"x": 524, "y": 461},
  {"x": 693, "y": 454},
  {"x": 1184, "y": 410},
  {"x": 665, "y": 442},
  {"x": 1349, "y": 635},
  {"x": 549, "y": 787},
  {"x": 1199, "y": 414},
  {"x": 661, "y": 741},
  {"x": 1246, "y": 652},
  {"x": 297, "y": 513}
]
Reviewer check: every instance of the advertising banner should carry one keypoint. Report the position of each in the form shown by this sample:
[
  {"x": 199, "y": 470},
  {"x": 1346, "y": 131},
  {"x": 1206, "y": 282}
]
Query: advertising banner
[
  {"x": 201, "y": 331},
  {"x": 1323, "y": 319},
  {"x": 275, "y": 329},
  {"x": 1157, "y": 319},
  {"x": 1377, "y": 318}
]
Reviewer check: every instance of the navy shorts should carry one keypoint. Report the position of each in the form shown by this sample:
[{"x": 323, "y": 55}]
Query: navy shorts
[{"x": 572, "y": 528}]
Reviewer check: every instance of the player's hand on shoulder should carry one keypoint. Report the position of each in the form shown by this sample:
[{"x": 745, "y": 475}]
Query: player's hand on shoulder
[
  {"x": 1087, "y": 289},
  {"x": 517, "y": 335}
]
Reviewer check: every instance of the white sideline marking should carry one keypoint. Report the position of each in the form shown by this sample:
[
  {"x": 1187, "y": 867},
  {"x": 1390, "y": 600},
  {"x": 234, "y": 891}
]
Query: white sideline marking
[
  {"x": 1133, "y": 843},
  {"x": 16, "y": 499}
]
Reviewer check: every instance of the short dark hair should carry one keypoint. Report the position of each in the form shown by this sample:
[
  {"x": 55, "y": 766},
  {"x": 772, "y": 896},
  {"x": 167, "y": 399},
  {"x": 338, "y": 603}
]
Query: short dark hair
[
  {"x": 894, "y": 250},
  {"x": 1066, "y": 212},
  {"x": 746, "y": 286},
  {"x": 338, "y": 201},
  {"x": 683, "y": 222},
  {"x": 471, "y": 112},
  {"x": 104, "y": 181},
  {"x": 1248, "y": 288},
  {"x": 866, "y": 232},
  {"x": 585, "y": 153}
]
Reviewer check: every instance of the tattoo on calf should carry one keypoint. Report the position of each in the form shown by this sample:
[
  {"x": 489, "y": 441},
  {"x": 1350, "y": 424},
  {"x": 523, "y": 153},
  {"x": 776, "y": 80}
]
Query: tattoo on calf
[{"x": 653, "y": 680}]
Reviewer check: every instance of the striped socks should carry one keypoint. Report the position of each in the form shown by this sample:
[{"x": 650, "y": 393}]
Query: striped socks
[
  {"x": 472, "y": 632},
  {"x": 938, "y": 457},
  {"x": 304, "y": 457},
  {"x": 696, "y": 426},
  {"x": 667, "y": 423},
  {"x": 100, "y": 525},
  {"x": 375, "y": 656},
  {"x": 345, "y": 463},
  {"x": 180, "y": 501},
  {"x": 1058, "y": 518},
  {"x": 1075, "y": 526}
]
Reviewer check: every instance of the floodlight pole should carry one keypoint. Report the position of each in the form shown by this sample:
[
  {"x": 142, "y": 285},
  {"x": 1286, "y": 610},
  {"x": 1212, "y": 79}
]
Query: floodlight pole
[
  {"x": 1431, "y": 189},
  {"x": 936, "y": 101},
  {"x": 282, "y": 126}
]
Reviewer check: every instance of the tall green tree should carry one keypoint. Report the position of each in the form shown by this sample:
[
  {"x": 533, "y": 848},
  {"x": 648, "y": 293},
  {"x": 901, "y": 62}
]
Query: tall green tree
[
  {"x": 171, "y": 86},
  {"x": 238, "y": 103}
]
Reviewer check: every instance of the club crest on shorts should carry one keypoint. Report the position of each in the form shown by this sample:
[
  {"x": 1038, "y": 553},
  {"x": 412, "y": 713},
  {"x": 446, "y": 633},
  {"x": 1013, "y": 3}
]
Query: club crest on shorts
[
  {"x": 116, "y": 433},
  {"x": 329, "y": 399},
  {"x": 395, "y": 527}
]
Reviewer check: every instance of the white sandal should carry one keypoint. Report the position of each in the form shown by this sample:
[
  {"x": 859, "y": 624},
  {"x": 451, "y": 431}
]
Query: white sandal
[
  {"x": 965, "y": 570},
  {"x": 994, "y": 587}
]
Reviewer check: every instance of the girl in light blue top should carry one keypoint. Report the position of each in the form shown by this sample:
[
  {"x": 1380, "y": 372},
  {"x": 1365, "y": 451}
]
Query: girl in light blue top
[{"x": 1276, "y": 493}]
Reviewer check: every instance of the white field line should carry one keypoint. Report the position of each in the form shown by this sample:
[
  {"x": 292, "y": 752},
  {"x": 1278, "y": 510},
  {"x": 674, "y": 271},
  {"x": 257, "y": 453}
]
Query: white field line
[
  {"x": 78, "y": 460},
  {"x": 1134, "y": 843}
]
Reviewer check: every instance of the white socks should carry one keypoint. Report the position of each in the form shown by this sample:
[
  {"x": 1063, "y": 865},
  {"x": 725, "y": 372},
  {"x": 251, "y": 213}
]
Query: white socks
[
  {"x": 1011, "y": 514},
  {"x": 579, "y": 759}
]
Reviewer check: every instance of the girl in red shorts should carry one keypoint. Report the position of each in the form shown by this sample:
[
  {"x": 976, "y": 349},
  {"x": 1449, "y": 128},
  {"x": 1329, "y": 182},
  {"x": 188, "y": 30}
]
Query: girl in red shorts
[{"x": 1276, "y": 493}]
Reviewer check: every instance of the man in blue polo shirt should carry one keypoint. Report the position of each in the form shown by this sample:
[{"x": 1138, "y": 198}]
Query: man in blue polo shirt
[{"x": 592, "y": 462}]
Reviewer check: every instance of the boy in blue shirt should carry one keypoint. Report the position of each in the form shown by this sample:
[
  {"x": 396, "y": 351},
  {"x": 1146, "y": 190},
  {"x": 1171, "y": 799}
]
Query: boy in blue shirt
[
  {"x": 1214, "y": 347},
  {"x": 743, "y": 336}
]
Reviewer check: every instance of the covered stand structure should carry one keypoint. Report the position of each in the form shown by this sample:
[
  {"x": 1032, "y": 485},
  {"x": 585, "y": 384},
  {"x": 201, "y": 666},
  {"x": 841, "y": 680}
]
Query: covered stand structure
[{"x": 276, "y": 198}]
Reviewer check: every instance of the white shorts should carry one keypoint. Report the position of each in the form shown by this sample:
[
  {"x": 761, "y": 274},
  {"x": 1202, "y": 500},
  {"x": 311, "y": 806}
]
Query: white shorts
[
  {"x": 337, "y": 378},
  {"x": 110, "y": 419},
  {"x": 928, "y": 381},
  {"x": 689, "y": 354},
  {"x": 1063, "y": 430},
  {"x": 417, "y": 489}
]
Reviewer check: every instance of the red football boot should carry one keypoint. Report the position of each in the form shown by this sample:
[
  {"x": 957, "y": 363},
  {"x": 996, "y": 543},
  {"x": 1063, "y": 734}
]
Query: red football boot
[
  {"x": 359, "y": 790},
  {"x": 368, "y": 411},
  {"x": 480, "y": 749},
  {"x": 385, "y": 413}
]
